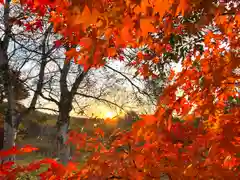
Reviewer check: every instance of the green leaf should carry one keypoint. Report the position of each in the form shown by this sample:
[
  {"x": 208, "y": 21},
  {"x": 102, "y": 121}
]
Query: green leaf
[
  {"x": 122, "y": 148},
  {"x": 196, "y": 122},
  {"x": 141, "y": 143},
  {"x": 237, "y": 155},
  {"x": 230, "y": 99},
  {"x": 237, "y": 100},
  {"x": 201, "y": 81},
  {"x": 172, "y": 40},
  {"x": 176, "y": 120},
  {"x": 226, "y": 109},
  {"x": 182, "y": 150},
  {"x": 197, "y": 65}
]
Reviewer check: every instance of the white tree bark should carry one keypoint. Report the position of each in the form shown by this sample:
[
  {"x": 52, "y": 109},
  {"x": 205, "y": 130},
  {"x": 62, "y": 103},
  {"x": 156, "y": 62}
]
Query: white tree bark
[
  {"x": 63, "y": 149},
  {"x": 10, "y": 134}
]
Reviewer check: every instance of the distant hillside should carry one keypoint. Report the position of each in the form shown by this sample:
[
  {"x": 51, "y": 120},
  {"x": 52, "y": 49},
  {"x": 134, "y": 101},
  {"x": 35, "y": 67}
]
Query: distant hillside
[
  {"x": 39, "y": 130},
  {"x": 40, "y": 117}
]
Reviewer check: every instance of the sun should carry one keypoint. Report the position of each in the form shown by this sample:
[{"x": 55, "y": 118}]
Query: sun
[{"x": 109, "y": 114}]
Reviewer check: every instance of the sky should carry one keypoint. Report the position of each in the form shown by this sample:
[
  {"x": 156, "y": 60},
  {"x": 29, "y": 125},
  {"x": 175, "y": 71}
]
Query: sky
[{"x": 101, "y": 109}]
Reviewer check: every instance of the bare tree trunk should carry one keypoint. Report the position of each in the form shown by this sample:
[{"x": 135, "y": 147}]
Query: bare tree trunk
[
  {"x": 9, "y": 124},
  {"x": 40, "y": 81},
  {"x": 10, "y": 134},
  {"x": 65, "y": 107},
  {"x": 63, "y": 149}
]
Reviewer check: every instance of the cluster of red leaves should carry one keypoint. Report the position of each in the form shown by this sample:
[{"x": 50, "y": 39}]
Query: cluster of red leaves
[
  {"x": 156, "y": 143},
  {"x": 10, "y": 170},
  {"x": 121, "y": 23}
]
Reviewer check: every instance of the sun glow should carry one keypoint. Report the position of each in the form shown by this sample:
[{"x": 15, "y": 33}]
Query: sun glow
[{"x": 109, "y": 114}]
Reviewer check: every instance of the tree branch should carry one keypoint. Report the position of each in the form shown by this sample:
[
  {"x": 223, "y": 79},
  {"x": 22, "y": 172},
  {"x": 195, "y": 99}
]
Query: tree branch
[{"x": 100, "y": 99}]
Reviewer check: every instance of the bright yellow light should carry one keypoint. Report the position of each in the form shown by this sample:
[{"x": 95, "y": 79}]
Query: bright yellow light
[{"x": 109, "y": 114}]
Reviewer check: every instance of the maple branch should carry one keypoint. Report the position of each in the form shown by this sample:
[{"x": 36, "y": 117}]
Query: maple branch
[
  {"x": 139, "y": 170},
  {"x": 77, "y": 82},
  {"x": 50, "y": 109},
  {"x": 42, "y": 68},
  {"x": 139, "y": 90},
  {"x": 115, "y": 177},
  {"x": 24, "y": 46},
  {"x": 81, "y": 111},
  {"x": 228, "y": 13},
  {"x": 41, "y": 94}
]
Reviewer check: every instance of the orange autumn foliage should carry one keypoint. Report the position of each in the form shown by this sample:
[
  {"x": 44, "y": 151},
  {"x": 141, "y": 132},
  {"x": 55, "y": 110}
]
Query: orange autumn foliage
[{"x": 205, "y": 144}]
